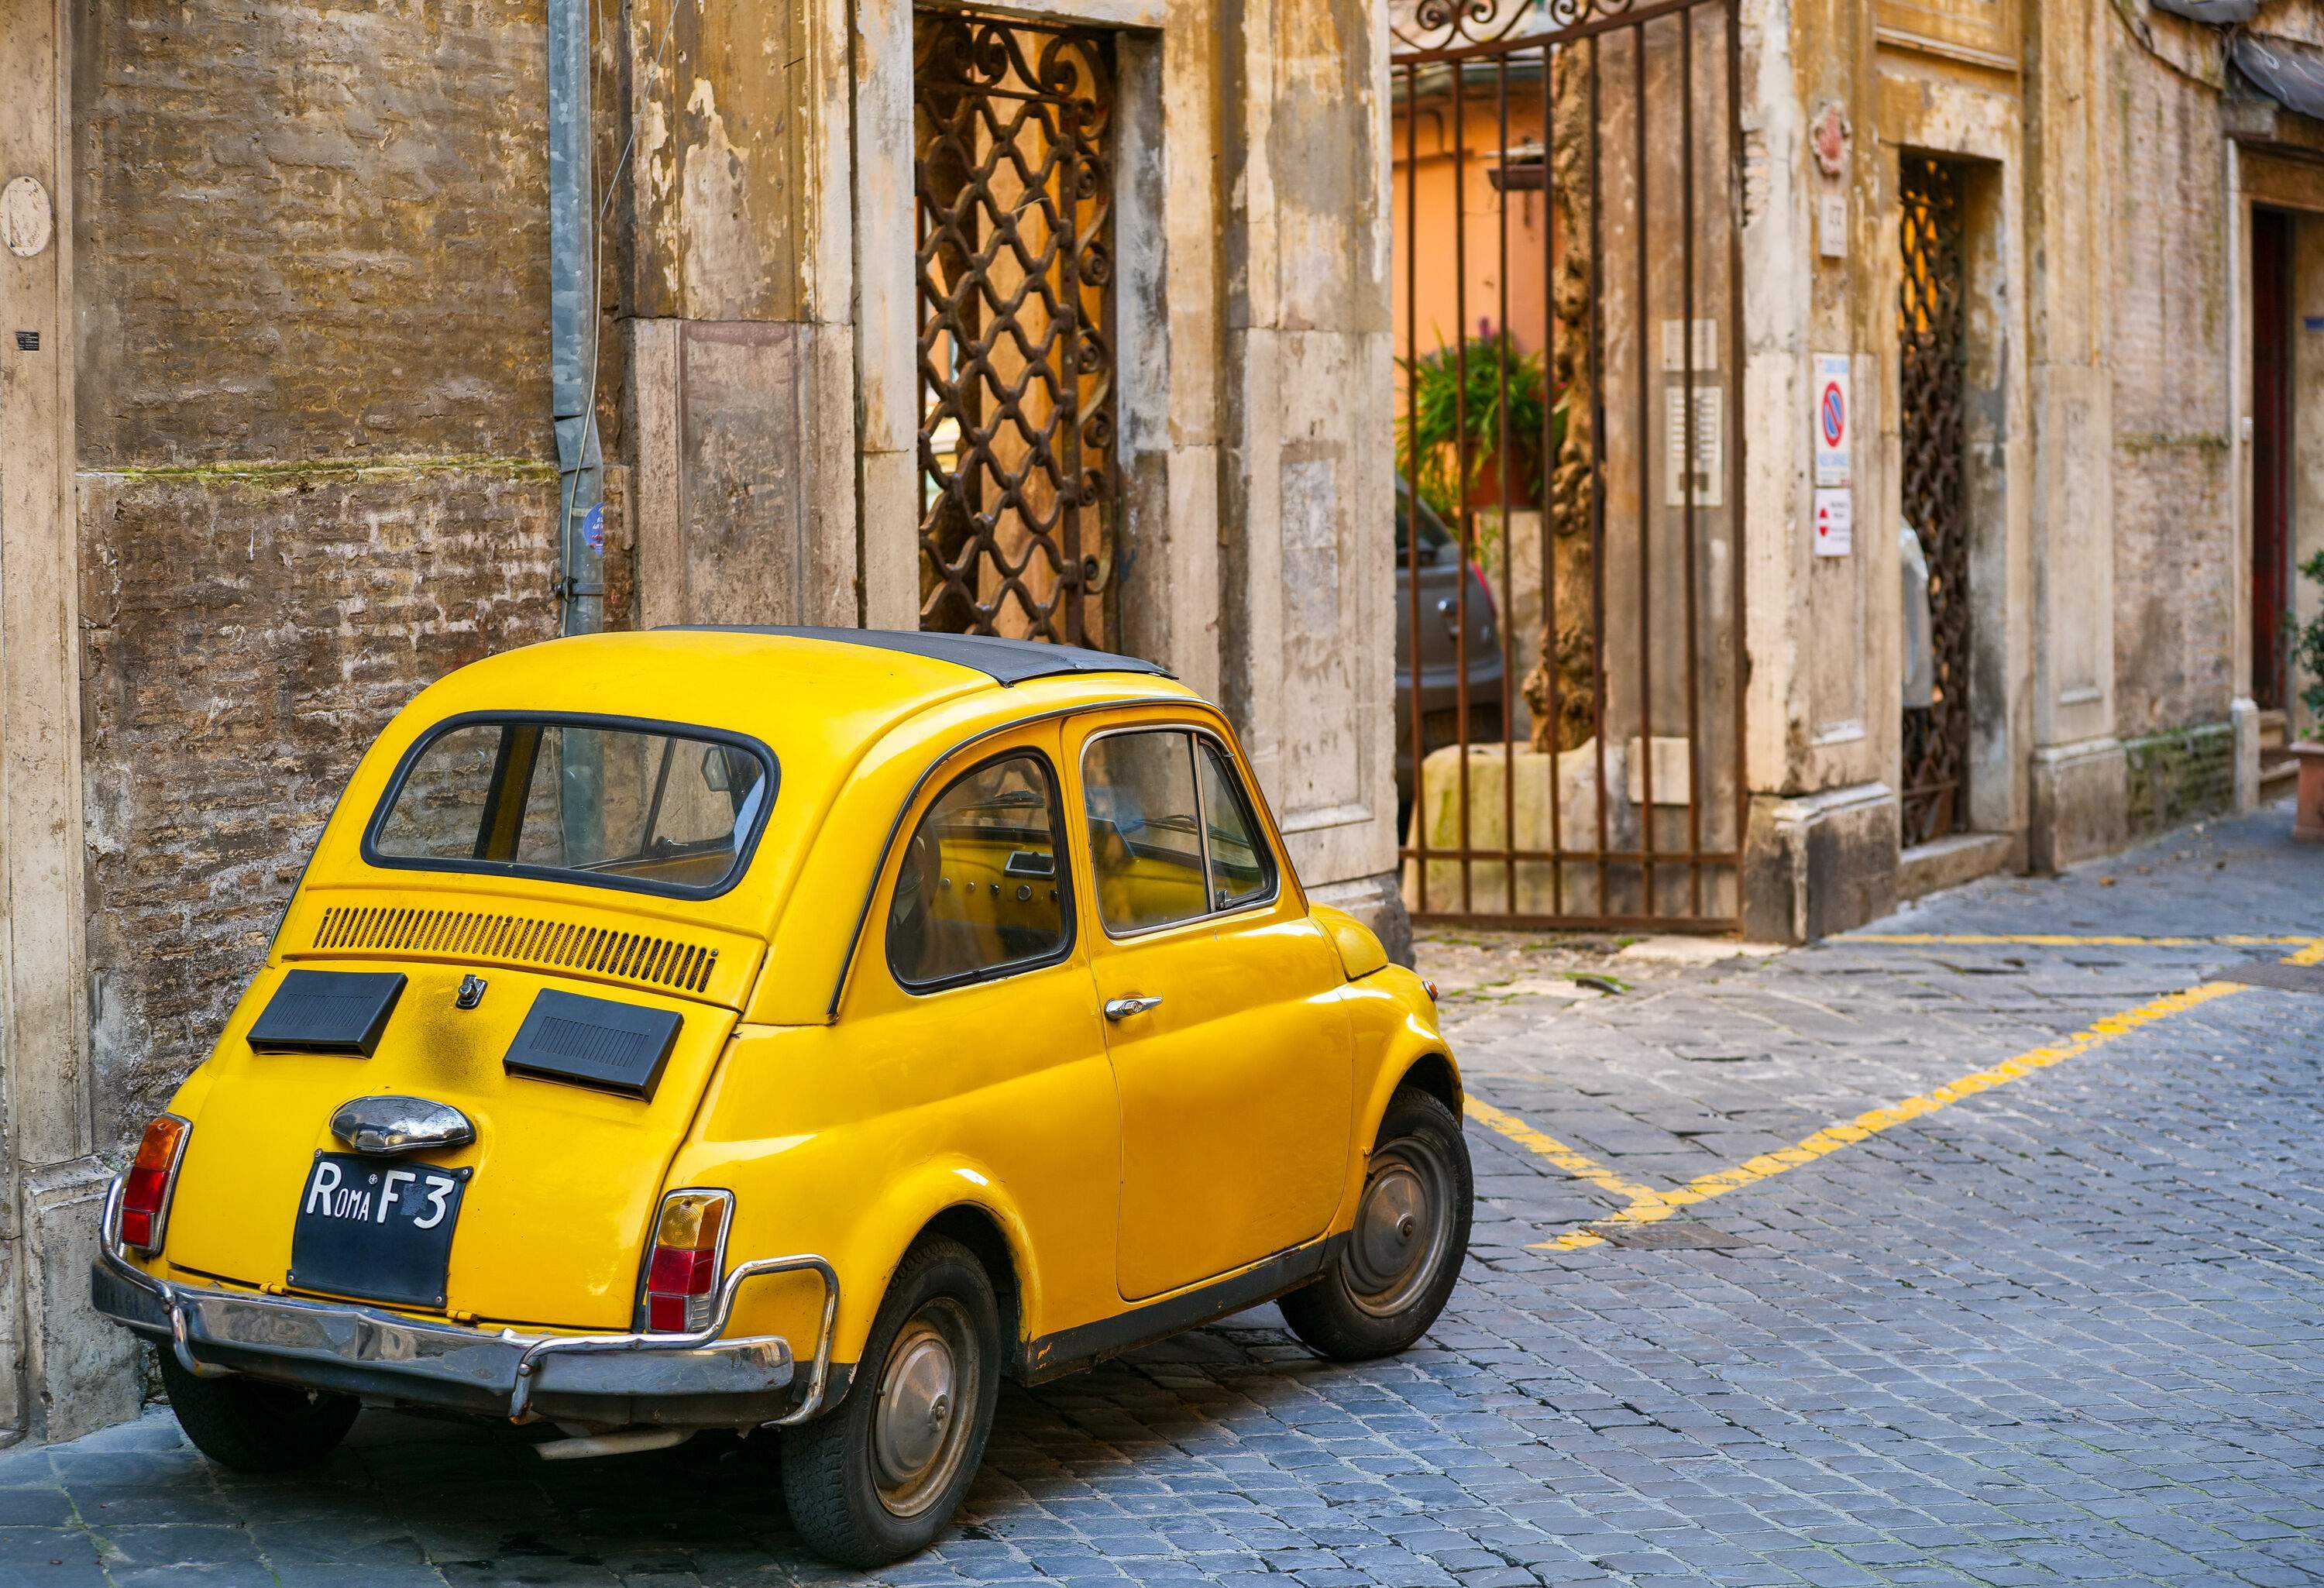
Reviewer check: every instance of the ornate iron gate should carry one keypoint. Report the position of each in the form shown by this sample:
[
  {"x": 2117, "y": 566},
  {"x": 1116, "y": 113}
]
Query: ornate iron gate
[
  {"x": 1570, "y": 469},
  {"x": 1930, "y": 341},
  {"x": 1014, "y": 187}
]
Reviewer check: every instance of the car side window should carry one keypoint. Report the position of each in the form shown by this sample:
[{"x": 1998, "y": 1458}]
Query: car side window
[
  {"x": 1242, "y": 870},
  {"x": 1146, "y": 838},
  {"x": 982, "y": 889}
]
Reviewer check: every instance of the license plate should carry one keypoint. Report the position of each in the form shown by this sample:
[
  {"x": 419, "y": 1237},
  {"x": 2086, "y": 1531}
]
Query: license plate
[{"x": 376, "y": 1228}]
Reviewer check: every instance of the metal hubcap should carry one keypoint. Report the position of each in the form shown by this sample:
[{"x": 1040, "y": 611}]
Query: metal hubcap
[
  {"x": 918, "y": 1434},
  {"x": 1403, "y": 1226}
]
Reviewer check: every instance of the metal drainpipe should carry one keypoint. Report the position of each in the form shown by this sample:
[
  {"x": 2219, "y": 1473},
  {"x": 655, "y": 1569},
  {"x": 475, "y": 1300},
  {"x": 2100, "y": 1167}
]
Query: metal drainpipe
[
  {"x": 572, "y": 333},
  {"x": 572, "y": 322}
]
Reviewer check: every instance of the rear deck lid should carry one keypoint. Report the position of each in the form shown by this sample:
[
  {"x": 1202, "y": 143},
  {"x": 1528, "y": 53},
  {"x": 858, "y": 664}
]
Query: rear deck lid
[{"x": 578, "y": 1094}]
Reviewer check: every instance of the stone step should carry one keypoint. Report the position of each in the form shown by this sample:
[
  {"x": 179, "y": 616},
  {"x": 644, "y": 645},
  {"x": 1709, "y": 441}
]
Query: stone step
[{"x": 1948, "y": 862}]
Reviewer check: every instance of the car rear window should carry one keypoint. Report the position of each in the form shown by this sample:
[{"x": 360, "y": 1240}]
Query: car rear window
[{"x": 653, "y": 806}]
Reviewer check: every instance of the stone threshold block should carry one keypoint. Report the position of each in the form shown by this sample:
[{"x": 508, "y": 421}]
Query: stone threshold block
[
  {"x": 1951, "y": 860},
  {"x": 1509, "y": 807},
  {"x": 1820, "y": 863},
  {"x": 2081, "y": 802}
]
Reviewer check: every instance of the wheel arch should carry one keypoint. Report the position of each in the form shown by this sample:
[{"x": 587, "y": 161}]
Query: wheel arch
[
  {"x": 966, "y": 1204},
  {"x": 1434, "y": 1073},
  {"x": 976, "y": 1227}
]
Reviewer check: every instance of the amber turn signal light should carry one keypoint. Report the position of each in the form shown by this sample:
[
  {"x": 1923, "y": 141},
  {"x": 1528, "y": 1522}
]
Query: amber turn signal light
[
  {"x": 153, "y": 1175},
  {"x": 682, "y": 1276}
]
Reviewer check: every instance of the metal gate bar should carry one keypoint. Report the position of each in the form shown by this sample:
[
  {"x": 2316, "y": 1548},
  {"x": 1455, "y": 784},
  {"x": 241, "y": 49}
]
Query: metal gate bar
[{"x": 1458, "y": 43}]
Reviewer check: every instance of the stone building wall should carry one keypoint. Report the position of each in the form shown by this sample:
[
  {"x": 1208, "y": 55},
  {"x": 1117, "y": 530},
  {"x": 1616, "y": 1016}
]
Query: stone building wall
[
  {"x": 2174, "y": 485},
  {"x": 289, "y": 458},
  {"x": 312, "y": 427}
]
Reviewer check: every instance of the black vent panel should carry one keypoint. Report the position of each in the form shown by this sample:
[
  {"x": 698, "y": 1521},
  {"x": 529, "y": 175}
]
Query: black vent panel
[
  {"x": 593, "y": 1042},
  {"x": 326, "y": 1011},
  {"x": 566, "y": 946}
]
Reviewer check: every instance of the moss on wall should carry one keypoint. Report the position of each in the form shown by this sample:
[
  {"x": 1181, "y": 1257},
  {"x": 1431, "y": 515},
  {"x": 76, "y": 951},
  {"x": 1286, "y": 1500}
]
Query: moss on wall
[{"x": 2181, "y": 775}]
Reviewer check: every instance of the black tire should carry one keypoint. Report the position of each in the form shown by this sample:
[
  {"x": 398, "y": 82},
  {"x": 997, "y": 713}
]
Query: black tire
[
  {"x": 254, "y": 1427},
  {"x": 859, "y": 1494},
  {"x": 1396, "y": 1268}
]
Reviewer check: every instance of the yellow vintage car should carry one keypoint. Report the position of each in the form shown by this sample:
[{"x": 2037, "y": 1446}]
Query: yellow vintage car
[{"x": 797, "y": 1028}]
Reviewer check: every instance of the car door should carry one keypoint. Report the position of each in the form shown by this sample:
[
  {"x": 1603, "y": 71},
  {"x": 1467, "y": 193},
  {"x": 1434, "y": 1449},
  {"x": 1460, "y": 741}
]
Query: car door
[
  {"x": 971, "y": 1014},
  {"x": 1224, "y": 1025}
]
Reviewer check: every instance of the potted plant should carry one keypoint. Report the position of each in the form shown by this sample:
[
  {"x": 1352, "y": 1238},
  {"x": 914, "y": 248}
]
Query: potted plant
[
  {"x": 1454, "y": 390},
  {"x": 2308, "y": 655}
]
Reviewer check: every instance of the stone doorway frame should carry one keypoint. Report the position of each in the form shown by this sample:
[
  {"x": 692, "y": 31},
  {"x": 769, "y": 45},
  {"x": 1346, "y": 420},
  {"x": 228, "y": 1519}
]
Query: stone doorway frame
[
  {"x": 1977, "y": 135},
  {"x": 1166, "y": 550},
  {"x": 69, "y": 1372},
  {"x": 2260, "y": 180}
]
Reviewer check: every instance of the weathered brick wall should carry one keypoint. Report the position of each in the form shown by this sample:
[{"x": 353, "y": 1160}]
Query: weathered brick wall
[
  {"x": 245, "y": 640},
  {"x": 2176, "y": 578},
  {"x": 308, "y": 235},
  {"x": 310, "y": 230}
]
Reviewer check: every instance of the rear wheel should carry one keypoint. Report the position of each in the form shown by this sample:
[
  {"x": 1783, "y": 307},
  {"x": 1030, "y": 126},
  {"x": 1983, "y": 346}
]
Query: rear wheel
[
  {"x": 253, "y": 1426},
  {"x": 879, "y": 1478},
  {"x": 1396, "y": 1268}
]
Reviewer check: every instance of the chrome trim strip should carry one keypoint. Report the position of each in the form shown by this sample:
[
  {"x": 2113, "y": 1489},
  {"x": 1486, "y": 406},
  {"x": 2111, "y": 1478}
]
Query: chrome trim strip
[{"x": 506, "y": 1363}]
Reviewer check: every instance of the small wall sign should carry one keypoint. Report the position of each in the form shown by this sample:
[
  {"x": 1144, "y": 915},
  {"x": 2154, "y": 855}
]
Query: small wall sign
[{"x": 1835, "y": 526}]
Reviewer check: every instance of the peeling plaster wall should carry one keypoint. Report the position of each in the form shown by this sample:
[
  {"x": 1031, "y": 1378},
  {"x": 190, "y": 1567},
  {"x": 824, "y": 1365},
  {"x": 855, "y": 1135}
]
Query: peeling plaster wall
[{"x": 717, "y": 191}]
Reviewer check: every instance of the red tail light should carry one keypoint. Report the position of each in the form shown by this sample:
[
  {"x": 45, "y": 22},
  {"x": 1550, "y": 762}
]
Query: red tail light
[
  {"x": 682, "y": 1276},
  {"x": 153, "y": 1175},
  {"x": 1492, "y": 610}
]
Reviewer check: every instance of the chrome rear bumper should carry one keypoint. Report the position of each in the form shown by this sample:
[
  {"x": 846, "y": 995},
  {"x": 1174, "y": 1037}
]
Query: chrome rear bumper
[{"x": 695, "y": 1380}]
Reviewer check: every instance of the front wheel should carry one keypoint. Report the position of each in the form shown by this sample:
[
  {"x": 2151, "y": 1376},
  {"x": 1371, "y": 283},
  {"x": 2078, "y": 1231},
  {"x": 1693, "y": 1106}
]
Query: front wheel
[
  {"x": 253, "y": 1426},
  {"x": 879, "y": 1478},
  {"x": 1395, "y": 1271}
]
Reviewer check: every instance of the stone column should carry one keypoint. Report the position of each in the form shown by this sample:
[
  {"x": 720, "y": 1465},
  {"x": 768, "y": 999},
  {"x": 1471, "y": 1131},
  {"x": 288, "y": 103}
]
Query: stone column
[
  {"x": 739, "y": 305},
  {"x": 1306, "y": 484},
  {"x": 1820, "y": 714},
  {"x": 69, "y": 1372},
  {"x": 2079, "y": 787}
]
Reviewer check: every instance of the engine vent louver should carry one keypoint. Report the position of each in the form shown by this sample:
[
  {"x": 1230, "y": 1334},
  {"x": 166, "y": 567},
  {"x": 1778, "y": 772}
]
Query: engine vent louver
[{"x": 627, "y": 956}]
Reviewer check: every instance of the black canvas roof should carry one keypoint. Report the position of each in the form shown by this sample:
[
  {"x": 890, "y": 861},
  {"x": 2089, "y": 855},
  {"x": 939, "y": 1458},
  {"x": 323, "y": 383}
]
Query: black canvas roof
[{"x": 1005, "y": 661}]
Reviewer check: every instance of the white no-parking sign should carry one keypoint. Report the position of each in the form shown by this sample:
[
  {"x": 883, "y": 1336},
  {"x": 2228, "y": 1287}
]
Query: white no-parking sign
[
  {"x": 1835, "y": 500},
  {"x": 1834, "y": 419}
]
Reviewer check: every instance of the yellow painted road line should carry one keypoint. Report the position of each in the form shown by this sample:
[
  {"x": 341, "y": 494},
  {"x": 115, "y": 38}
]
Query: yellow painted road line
[
  {"x": 1579, "y": 1164},
  {"x": 2074, "y": 940},
  {"x": 1647, "y": 1205}
]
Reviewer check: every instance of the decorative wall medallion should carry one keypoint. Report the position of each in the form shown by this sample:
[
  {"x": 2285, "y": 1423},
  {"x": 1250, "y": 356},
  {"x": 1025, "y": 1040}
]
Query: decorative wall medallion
[
  {"x": 1828, "y": 138},
  {"x": 26, "y": 220}
]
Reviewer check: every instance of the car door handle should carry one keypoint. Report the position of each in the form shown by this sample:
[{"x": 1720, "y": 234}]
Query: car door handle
[{"x": 1121, "y": 1008}]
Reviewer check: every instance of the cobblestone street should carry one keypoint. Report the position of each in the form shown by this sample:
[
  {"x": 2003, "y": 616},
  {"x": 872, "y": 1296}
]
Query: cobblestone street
[{"x": 2057, "y": 1322}]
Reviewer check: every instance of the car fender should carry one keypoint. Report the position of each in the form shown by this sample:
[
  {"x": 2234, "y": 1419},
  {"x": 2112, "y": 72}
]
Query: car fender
[
  {"x": 1393, "y": 1023},
  {"x": 884, "y": 1231}
]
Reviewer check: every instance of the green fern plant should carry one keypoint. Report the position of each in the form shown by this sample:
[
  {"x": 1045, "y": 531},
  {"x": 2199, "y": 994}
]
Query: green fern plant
[
  {"x": 2308, "y": 650},
  {"x": 1452, "y": 389}
]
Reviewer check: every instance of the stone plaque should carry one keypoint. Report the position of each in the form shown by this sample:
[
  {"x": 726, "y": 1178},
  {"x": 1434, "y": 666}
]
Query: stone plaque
[{"x": 25, "y": 221}]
